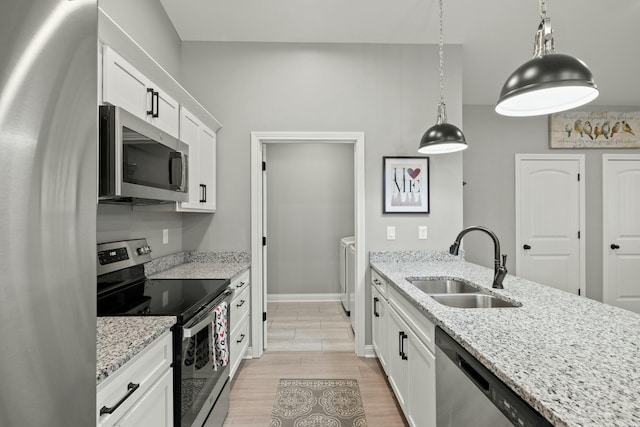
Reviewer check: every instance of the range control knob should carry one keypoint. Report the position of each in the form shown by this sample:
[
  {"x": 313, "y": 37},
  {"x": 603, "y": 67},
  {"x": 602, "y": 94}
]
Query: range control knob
[{"x": 140, "y": 250}]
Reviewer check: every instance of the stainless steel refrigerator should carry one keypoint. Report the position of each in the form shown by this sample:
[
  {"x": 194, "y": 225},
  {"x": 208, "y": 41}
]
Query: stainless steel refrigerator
[{"x": 48, "y": 130}]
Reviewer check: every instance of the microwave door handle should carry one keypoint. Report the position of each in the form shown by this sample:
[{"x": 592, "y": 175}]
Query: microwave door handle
[
  {"x": 185, "y": 168},
  {"x": 175, "y": 169}
]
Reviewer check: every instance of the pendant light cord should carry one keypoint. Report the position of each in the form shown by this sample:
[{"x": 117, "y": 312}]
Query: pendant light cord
[{"x": 442, "y": 112}]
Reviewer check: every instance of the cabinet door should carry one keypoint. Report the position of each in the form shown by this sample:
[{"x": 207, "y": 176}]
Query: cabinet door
[
  {"x": 189, "y": 134},
  {"x": 123, "y": 85},
  {"x": 167, "y": 110},
  {"x": 397, "y": 366},
  {"x": 379, "y": 308},
  {"x": 207, "y": 167},
  {"x": 421, "y": 392},
  {"x": 155, "y": 408}
]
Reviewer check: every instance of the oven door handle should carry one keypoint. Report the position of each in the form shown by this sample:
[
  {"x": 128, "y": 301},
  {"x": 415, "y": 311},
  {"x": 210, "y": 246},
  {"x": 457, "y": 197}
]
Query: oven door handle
[{"x": 193, "y": 330}]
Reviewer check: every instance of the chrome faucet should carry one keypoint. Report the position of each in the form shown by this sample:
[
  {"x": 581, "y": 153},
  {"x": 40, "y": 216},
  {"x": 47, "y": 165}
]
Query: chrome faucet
[{"x": 499, "y": 270}]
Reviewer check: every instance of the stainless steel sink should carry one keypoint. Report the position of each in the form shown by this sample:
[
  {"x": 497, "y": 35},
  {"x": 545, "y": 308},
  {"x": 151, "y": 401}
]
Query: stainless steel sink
[
  {"x": 443, "y": 286},
  {"x": 472, "y": 301}
]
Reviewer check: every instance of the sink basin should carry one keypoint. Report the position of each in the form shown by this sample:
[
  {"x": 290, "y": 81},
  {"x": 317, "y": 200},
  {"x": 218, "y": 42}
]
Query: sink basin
[
  {"x": 443, "y": 286},
  {"x": 472, "y": 301}
]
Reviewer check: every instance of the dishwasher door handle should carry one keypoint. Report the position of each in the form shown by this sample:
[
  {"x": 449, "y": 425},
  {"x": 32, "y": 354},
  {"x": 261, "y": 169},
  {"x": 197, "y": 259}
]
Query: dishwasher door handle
[{"x": 473, "y": 374}]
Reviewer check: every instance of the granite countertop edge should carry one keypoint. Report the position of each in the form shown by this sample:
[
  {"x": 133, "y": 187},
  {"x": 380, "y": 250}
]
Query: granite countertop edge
[
  {"x": 120, "y": 339},
  {"x": 491, "y": 335}
]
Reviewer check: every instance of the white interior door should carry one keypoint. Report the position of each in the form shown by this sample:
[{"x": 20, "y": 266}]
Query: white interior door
[
  {"x": 621, "y": 230},
  {"x": 550, "y": 220}
]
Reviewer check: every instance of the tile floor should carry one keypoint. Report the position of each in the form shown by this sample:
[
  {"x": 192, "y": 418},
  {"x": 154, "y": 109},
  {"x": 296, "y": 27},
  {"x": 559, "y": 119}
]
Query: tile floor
[{"x": 308, "y": 326}]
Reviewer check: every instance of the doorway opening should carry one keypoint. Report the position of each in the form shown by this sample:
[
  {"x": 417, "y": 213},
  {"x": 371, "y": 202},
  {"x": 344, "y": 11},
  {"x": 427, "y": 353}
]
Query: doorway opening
[{"x": 260, "y": 308}]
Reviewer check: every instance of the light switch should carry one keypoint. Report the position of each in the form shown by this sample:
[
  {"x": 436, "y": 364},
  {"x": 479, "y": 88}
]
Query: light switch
[
  {"x": 391, "y": 232},
  {"x": 165, "y": 236},
  {"x": 422, "y": 232}
]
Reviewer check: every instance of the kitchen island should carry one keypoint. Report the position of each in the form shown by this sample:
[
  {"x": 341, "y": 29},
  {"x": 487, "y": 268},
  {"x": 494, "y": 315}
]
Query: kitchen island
[{"x": 575, "y": 360}]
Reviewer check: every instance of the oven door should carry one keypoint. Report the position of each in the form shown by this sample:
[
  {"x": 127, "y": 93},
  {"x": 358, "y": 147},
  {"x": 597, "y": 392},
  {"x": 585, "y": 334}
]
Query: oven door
[{"x": 200, "y": 378}]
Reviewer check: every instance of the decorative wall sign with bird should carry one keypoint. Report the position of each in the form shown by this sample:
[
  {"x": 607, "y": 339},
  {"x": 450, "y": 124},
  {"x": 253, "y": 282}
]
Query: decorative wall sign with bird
[{"x": 575, "y": 129}]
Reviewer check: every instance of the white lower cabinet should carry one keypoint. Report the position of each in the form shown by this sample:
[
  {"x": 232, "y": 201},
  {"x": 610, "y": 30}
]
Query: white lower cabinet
[
  {"x": 240, "y": 320},
  {"x": 403, "y": 340},
  {"x": 380, "y": 313},
  {"x": 140, "y": 393}
]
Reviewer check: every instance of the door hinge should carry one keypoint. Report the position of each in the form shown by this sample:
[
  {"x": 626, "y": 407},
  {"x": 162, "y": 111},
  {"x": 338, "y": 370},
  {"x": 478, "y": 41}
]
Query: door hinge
[
  {"x": 578, "y": 292},
  {"x": 578, "y": 234},
  {"x": 264, "y": 241},
  {"x": 264, "y": 316},
  {"x": 578, "y": 177},
  {"x": 264, "y": 166}
]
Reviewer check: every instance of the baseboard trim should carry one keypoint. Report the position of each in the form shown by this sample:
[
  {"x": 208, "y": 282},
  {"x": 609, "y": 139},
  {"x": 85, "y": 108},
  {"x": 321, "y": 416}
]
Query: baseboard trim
[
  {"x": 302, "y": 297},
  {"x": 369, "y": 352}
]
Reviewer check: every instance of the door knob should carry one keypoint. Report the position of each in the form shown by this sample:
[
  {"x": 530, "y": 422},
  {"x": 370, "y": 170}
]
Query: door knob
[
  {"x": 614, "y": 246},
  {"x": 526, "y": 247}
]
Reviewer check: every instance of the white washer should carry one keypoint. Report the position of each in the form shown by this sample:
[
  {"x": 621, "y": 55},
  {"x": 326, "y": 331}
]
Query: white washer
[{"x": 344, "y": 289}]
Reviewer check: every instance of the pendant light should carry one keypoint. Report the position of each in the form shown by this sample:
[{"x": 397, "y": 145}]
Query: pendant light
[
  {"x": 549, "y": 82},
  {"x": 442, "y": 137}
]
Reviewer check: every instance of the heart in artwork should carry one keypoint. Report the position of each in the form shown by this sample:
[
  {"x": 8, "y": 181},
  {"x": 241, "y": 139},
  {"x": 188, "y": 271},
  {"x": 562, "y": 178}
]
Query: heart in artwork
[{"x": 413, "y": 173}]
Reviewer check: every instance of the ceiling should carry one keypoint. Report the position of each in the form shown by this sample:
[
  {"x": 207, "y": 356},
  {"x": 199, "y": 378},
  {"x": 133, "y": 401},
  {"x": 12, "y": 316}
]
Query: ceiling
[{"x": 496, "y": 35}]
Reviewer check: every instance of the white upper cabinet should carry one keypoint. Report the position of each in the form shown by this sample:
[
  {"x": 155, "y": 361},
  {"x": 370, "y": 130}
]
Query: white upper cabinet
[
  {"x": 202, "y": 163},
  {"x": 124, "y": 86}
]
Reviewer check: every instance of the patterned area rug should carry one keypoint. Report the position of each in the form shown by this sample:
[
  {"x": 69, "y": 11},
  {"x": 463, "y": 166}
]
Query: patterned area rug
[{"x": 318, "y": 403}]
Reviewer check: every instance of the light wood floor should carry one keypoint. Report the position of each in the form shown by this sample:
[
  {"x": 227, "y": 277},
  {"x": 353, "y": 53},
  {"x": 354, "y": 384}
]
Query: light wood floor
[
  {"x": 308, "y": 326},
  {"x": 308, "y": 340},
  {"x": 254, "y": 386}
]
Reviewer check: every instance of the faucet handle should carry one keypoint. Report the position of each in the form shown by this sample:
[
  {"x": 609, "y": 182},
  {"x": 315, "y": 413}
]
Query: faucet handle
[{"x": 504, "y": 260}]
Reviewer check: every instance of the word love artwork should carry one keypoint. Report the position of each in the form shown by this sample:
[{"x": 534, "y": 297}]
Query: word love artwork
[{"x": 406, "y": 184}]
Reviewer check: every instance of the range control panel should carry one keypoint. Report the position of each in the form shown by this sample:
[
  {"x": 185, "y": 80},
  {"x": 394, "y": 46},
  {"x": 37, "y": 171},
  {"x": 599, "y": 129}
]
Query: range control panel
[{"x": 114, "y": 256}]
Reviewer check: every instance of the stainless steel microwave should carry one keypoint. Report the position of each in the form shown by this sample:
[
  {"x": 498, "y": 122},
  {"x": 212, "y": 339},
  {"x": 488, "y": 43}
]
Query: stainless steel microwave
[{"x": 138, "y": 163}]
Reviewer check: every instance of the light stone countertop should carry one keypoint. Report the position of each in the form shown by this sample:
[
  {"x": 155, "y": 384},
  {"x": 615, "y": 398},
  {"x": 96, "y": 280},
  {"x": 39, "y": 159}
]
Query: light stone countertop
[
  {"x": 575, "y": 360},
  {"x": 119, "y": 339},
  {"x": 199, "y": 265}
]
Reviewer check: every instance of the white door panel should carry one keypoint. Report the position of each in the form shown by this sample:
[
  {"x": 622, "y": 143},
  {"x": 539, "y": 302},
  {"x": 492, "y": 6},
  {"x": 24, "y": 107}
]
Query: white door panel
[
  {"x": 549, "y": 220},
  {"x": 621, "y": 231}
]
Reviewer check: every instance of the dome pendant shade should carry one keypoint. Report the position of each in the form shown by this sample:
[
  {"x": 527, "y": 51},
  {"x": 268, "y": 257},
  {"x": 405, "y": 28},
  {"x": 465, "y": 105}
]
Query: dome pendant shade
[
  {"x": 545, "y": 85},
  {"x": 442, "y": 138}
]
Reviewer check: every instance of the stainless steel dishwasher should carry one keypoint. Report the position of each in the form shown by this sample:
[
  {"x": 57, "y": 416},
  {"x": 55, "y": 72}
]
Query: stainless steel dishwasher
[{"x": 467, "y": 394}]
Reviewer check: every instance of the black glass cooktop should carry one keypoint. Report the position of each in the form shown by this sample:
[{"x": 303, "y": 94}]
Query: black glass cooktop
[{"x": 152, "y": 297}]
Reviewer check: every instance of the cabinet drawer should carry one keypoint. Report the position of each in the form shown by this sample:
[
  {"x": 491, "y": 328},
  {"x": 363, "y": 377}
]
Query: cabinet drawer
[
  {"x": 143, "y": 370},
  {"x": 239, "y": 345},
  {"x": 241, "y": 281},
  {"x": 423, "y": 328},
  {"x": 240, "y": 307},
  {"x": 379, "y": 283}
]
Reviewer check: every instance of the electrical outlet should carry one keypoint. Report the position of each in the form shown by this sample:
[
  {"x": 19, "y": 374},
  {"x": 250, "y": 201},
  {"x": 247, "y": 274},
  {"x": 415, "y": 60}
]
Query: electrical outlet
[
  {"x": 422, "y": 232},
  {"x": 165, "y": 236},
  {"x": 391, "y": 232}
]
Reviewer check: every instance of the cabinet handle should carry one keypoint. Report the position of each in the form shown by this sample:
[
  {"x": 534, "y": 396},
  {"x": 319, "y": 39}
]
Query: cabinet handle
[
  {"x": 400, "y": 335},
  {"x": 402, "y": 353},
  {"x": 241, "y": 303},
  {"x": 201, "y": 193},
  {"x": 376, "y": 281},
  {"x": 375, "y": 307},
  {"x": 241, "y": 338},
  {"x": 526, "y": 247},
  {"x": 130, "y": 389},
  {"x": 614, "y": 246},
  {"x": 205, "y": 192},
  {"x": 241, "y": 284},
  {"x": 150, "y": 111},
  {"x": 156, "y": 95}
]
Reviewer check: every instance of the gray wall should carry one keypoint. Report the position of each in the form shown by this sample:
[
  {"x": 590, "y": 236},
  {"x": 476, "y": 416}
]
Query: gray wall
[
  {"x": 148, "y": 24},
  {"x": 121, "y": 222},
  {"x": 489, "y": 196},
  {"x": 310, "y": 206},
  {"x": 388, "y": 91}
]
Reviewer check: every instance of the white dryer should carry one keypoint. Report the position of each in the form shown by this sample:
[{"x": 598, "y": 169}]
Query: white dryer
[{"x": 345, "y": 242}]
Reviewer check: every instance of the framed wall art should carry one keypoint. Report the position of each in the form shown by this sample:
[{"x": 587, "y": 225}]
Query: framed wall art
[
  {"x": 405, "y": 184},
  {"x": 579, "y": 129}
]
